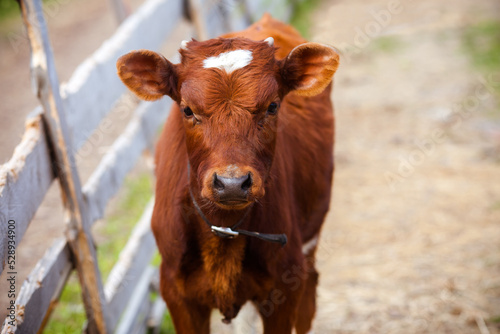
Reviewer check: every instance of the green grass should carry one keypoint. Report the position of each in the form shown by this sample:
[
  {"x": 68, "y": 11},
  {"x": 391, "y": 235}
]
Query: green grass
[
  {"x": 302, "y": 18},
  {"x": 495, "y": 206},
  {"x": 10, "y": 19},
  {"x": 11, "y": 25},
  {"x": 482, "y": 43},
  {"x": 118, "y": 226},
  {"x": 387, "y": 44},
  {"x": 156, "y": 261},
  {"x": 8, "y": 9},
  {"x": 69, "y": 314},
  {"x": 167, "y": 326}
]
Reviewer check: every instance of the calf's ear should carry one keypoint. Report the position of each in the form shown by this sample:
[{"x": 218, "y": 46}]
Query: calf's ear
[
  {"x": 309, "y": 68},
  {"x": 148, "y": 74}
]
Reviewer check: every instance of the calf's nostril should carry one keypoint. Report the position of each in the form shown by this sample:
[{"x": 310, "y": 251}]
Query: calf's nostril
[
  {"x": 218, "y": 183},
  {"x": 248, "y": 183}
]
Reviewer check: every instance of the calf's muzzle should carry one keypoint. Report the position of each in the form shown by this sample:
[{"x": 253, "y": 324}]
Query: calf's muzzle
[{"x": 232, "y": 189}]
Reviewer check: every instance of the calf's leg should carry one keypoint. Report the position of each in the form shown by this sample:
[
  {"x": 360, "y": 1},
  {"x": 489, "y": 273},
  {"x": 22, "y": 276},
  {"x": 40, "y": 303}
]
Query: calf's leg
[
  {"x": 307, "y": 305},
  {"x": 188, "y": 316},
  {"x": 279, "y": 311}
]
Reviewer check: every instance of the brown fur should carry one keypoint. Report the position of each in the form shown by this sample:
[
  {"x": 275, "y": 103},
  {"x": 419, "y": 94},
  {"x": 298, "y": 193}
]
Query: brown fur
[{"x": 288, "y": 155}]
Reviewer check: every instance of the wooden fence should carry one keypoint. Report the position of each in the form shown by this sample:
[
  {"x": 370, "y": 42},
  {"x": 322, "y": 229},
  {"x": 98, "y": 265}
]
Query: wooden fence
[{"x": 54, "y": 134}]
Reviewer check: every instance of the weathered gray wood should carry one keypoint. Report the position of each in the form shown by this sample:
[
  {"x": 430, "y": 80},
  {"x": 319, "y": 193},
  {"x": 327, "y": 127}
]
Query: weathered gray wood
[
  {"x": 26, "y": 177},
  {"x": 45, "y": 283},
  {"x": 46, "y": 87},
  {"x": 24, "y": 180},
  {"x": 212, "y": 19},
  {"x": 279, "y": 9},
  {"x": 196, "y": 12},
  {"x": 94, "y": 87},
  {"x": 41, "y": 289},
  {"x": 238, "y": 16},
  {"x": 120, "y": 9},
  {"x": 133, "y": 261},
  {"x": 216, "y": 20},
  {"x": 136, "y": 315},
  {"x": 139, "y": 135},
  {"x": 208, "y": 18}
]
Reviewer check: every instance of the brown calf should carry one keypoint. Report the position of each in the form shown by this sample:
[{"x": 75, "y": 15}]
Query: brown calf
[{"x": 247, "y": 148}]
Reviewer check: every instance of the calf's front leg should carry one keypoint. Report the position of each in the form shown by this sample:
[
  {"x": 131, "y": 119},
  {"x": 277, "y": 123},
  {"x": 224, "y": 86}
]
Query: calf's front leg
[
  {"x": 188, "y": 316},
  {"x": 279, "y": 311}
]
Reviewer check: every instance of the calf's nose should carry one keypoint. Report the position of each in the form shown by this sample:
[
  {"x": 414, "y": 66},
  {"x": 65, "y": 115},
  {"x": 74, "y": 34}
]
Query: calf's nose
[{"x": 232, "y": 188}]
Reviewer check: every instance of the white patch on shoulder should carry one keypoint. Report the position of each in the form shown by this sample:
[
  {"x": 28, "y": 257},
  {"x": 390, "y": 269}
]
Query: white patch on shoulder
[
  {"x": 229, "y": 61},
  {"x": 308, "y": 246}
]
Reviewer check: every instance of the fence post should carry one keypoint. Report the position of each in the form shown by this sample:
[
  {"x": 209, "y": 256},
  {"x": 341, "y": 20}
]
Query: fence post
[
  {"x": 46, "y": 87},
  {"x": 201, "y": 12},
  {"x": 196, "y": 9},
  {"x": 120, "y": 9}
]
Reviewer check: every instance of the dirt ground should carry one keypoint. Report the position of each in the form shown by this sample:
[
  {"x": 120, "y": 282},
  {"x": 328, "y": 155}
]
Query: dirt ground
[
  {"x": 83, "y": 25},
  {"x": 412, "y": 240}
]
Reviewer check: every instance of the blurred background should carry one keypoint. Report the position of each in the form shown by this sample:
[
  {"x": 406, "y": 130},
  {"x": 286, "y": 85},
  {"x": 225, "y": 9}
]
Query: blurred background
[{"x": 412, "y": 240}]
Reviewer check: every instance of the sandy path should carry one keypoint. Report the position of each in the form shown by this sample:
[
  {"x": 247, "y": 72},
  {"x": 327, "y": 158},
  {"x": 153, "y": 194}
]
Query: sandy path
[
  {"x": 412, "y": 241},
  {"x": 76, "y": 28}
]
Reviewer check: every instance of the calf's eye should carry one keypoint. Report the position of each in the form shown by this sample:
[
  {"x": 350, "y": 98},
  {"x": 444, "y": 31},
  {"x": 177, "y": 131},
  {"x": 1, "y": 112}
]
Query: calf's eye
[
  {"x": 187, "y": 112},
  {"x": 272, "y": 109}
]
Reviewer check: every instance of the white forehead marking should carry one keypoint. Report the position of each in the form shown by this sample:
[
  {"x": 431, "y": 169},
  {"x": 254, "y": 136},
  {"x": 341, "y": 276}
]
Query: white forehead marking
[{"x": 229, "y": 61}]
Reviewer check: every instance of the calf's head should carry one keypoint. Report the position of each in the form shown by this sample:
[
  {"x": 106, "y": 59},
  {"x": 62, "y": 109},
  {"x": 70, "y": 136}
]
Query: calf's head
[{"x": 229, "y": 92}]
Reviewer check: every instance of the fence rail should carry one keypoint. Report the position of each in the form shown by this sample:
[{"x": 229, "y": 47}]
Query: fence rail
[
  {"x": 24, "y": 181},
  {"x": 55, "y": 132},
  {"x": 119, "y": 160}
]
